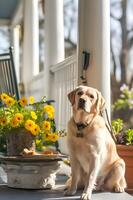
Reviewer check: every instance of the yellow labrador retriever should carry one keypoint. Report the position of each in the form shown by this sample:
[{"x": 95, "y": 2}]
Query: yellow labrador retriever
[{"x": 93, "y": 155}]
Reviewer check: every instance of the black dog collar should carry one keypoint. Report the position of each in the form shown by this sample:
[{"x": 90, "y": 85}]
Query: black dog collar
[{"x": 80, "y": 126}]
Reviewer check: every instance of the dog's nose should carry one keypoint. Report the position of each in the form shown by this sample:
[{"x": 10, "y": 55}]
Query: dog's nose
[{"x": 81, "y": 101}]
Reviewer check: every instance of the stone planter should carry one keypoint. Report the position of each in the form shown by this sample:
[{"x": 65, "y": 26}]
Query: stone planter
[
  {"x": 126, "y": 152},
  {"x": 37, "y": 172},
  {"x": 17, "y": 140}
]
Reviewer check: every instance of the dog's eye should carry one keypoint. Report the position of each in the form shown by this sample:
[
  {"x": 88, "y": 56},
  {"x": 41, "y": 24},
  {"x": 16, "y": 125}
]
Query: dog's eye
[
  {"x": 91, "y": 96},
  {"x": 80, "y": 93}
]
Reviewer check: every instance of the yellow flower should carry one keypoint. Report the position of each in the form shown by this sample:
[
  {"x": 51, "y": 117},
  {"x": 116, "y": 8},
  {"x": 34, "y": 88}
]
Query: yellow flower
[
  {"x": 33, "y": 115},
  {"x": 48, "y": 137},
  {"x": 32, "y": 100},
  {"x": 35, "y": 130},
  {"x": 9, "y": 101},
  {"x": 23, "y": 101},
  {"x": 19, "y": 117},
  {"x": 29, "y": 124},
  {"x": 14, "y": 122},
  {"x": 46, "y": 125},
  {"x": 4, "y": 97},
  {"x": 38, "y": 141},
  {"x": 54, "y": 137},
  {"x": 3, "y": 121},
  {"x": 50, "y": 115},
  {"x": 49, "y": 109}
]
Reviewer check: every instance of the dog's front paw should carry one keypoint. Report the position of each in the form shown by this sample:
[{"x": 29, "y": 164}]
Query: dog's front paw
[
  {"x": 118, "y": 188},
  {"x": 70, "y": 192},
  {"x": 85, "y": 196}
]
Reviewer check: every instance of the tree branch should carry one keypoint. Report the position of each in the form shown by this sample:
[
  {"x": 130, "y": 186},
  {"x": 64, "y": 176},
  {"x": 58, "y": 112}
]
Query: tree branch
[
  {"x": 115, "y": 18},
  {"x": 129, "y": 31},
  {"x": 70, "y": 42},
  {"x": 131, "y": 82},
  {"x": 113, "y": 59},
  {"x": 130, "y": 43}
]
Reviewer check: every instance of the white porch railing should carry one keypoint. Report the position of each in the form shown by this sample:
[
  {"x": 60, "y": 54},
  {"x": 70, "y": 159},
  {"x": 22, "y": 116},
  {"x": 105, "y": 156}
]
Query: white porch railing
[{"x": 65, "y": 80}]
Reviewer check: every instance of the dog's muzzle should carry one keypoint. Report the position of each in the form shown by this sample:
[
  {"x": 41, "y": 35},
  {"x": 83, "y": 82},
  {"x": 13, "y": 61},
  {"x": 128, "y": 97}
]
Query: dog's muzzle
[{"x": 81, "y": 104}]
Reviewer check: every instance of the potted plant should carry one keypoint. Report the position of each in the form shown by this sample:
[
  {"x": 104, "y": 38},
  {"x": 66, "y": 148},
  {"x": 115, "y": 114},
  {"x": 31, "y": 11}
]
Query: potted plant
[
  {"x": 123, "y": 107},
  {"x": 123, "y": 130},
  {"x": 25, "y": 124}
]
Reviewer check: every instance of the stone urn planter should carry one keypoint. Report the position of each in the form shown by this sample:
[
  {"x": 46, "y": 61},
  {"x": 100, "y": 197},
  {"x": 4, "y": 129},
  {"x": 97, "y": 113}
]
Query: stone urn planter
[
  {"x": 19, "y": 139},
  {"x": 35, "y": 172},
  {"x": 28, "y": 171},
  {"x": 126, "y": 152}
]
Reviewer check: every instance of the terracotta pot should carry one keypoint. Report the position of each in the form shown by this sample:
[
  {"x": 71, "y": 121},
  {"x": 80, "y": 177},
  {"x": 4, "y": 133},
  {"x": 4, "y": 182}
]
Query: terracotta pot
[
  {"x": 17, "y": 140},
  {"x": 126, "y": 152}
]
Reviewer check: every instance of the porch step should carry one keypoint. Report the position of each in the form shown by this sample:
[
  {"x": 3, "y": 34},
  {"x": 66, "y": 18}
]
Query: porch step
[
  {"x": 19, "y": 194},
  {"x": 7, "y": 193}
]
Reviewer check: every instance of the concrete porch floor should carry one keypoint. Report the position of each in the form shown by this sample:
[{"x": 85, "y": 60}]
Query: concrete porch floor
[{"x": 7, "y": 193}]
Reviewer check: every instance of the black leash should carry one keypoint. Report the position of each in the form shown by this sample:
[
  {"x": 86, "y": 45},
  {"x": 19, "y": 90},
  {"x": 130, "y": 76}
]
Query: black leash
[{"x": 109, "y": 126}]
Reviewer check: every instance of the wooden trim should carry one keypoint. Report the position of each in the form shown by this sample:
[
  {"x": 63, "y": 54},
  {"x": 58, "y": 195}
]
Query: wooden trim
[
  {"x": 4, "y": 22},
  {"x": 18, "y": 14}
]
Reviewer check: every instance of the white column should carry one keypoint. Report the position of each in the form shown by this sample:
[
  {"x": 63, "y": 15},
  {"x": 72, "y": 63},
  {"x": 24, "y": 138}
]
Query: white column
[
  {"x": 54, "y": 40},
  {"x": 14, "y": 42},
  {"x": 31, "y": 41},
  {"x": 16, "y": 54},
  {"x": 94, "y": 37}
]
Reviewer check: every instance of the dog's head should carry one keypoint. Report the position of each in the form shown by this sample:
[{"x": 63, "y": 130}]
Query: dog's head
[{"x": 86, "y": 99}]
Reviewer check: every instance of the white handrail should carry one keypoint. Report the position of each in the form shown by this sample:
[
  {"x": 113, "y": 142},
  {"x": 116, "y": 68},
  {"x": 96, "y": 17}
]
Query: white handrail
[
  {"x": 65, "y": 80},
  {"x": 67, "y": 62}
]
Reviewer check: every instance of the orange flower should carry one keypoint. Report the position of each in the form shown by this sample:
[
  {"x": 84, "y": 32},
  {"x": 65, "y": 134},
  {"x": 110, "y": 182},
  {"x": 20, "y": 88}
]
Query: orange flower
[
  {"x": 54, "y": 137},
  {"x": 29, "y": 124},
  {"x": 4, "y": 97},
  {"x": 9, "y": 101},
  {"x": 35, "y": 130},
  {"x": 48, "y": 137},
  {"x": 3, "y": 121},
  {"x": 23, "y": 101},
  {"x": 14, "y": 122},
  {"x": 46, "y": 125},
  {"x": 19, "y": 117}
]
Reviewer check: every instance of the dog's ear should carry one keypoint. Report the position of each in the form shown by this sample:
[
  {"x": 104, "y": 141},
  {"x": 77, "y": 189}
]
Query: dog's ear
[
  {"x": 100, "y": 102},
  {"x": 71, "y": 96}
]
